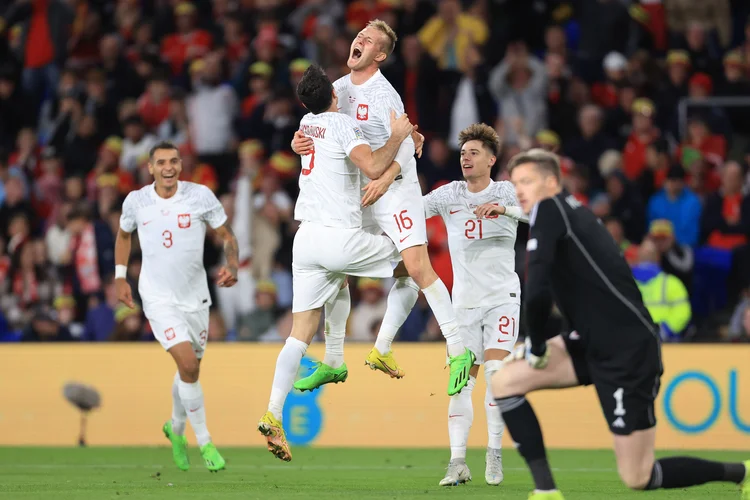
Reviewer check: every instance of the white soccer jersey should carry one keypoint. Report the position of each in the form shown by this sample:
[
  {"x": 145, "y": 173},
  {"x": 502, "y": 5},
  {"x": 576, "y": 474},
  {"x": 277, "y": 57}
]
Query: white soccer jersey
[
  {"x": 172, "y": 232},
  {"x": 482, "y": 250},
  {"x": 329, "y": 184},
  {"x": 370, "y": 104}
]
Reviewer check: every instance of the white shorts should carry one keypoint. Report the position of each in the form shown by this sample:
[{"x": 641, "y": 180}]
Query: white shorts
[
  {"x": 484, "y": 328},
  {"x": 399, "y": 214},
  {"x": 172, "y": 326},
  {"x": 323, "y": 256}
]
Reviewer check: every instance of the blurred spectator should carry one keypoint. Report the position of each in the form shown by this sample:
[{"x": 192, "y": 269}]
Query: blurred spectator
[
  {"x": 519, "y": 85},
  {"x": 676, "y": 259},
  {"x": 43, "y": 42},
  {"x": 591, "y": 144},
  {"x": 700, "y": 88},
  {"x": 100, "y": 319},
  {"x": 472, "y": 102},
  {"x": 189, "y": 42},
  {"x": 644, "y": 133},
  {"x": 14, "y": 108},
  {"x": 260, "y": 324},
  {"x": 604, "y": 26},
  {"x": 626, "y": 205},
  {"x": 664, "y": 295},
  {"x": 272, "y": 207},
  {"x": 734, "y": 83},
  {"x": 14, "y": 204},
  {"x": 605, "y": 93},
  {"x": 413, "y": 76},
  {"x": 715, "y": 15},
  {"x": 658, "y": 160},
  {"x": 673, "y": 89},
  {"x": 703, "y": 56},
  {"x": 128, "y": 325},
  {"x": 726, "y": 217},
  {"x": 370, "y": 309},
  {"x": 679, "y": 205},
  {"x": 137, "y": 143},
  {"x": 211, "y": 108},
  {"x": 153, "y": 105},
  {"x": 44, "y": 328},
  {"x": 448, "y": 34}
]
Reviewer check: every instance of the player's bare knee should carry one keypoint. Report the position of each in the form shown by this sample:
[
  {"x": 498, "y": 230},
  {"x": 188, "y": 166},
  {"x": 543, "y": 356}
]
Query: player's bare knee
[
  {"x": 418, "y": 265},
  {"x": 189, "y": 370},
  {"x": 635, "y": 477}
]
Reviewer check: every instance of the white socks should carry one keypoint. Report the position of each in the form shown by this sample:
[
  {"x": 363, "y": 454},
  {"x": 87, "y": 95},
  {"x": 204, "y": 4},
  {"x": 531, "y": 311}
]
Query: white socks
[
  {"x": 440, "y": 302},
  {"x": 336, "y": 315},
  {"x": 179, "y": 415},
  {"x": 401, "y": 300},
  {"x": 460, "y": 418},
  {"x": 191, "y": 396},
  {"x": 495, "y": 423},
  {"x": 287, "y": 365}
]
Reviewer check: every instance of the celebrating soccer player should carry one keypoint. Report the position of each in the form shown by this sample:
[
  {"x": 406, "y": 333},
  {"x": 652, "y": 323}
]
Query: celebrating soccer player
[
  {"x": 482, "y": 218},
  {"x": 171, "y": 217},
  {"x": 330, "y": 243},
  {"x": 365, "y": 95},
  {"x": 615, "y": 346}
]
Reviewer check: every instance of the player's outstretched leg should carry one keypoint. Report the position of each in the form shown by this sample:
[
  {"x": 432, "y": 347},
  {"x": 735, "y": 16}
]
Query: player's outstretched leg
[
  {"x": 640, "y": 471},
  {"x": 460, "y": 358},
  {"x": 174, "y": 429},
  {"x": 191, "y": 397},
  {"x": 332, "y": 369},
  {"x": 401, "y": 300},
  {"x": 493, "y": 472},
  {"x": 460, "y": 418},
  {"x": 304, "y": 325}
]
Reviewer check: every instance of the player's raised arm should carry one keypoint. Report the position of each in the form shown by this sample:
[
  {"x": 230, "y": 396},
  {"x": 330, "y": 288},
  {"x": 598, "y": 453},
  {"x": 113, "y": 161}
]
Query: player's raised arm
[
  {"x": 374, "y": 163},
  {"x": 547, "y": 227}
]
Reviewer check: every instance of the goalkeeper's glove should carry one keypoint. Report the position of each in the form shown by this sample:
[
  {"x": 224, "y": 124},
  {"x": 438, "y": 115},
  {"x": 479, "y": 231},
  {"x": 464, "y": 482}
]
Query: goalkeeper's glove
[{"x": 523, "y": 351}]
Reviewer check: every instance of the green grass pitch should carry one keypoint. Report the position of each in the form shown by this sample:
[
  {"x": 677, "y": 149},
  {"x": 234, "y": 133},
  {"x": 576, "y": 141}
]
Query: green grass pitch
[{"x": 352, "y": 474}]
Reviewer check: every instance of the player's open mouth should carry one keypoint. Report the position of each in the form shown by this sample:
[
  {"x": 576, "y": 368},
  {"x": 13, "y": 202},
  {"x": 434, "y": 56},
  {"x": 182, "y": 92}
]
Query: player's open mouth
[
  {"x": 356, "y": 53},
  {"x": 467, "y": 167},
  {"x": 167, "y": 176}
]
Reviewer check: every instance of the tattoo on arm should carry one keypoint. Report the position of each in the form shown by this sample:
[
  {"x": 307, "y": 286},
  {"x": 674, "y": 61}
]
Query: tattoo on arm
[{"x": 231, "y": 247}]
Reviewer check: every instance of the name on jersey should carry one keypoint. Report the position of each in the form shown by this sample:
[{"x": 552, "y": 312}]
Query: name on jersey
[{"x": 314, "y": 131}]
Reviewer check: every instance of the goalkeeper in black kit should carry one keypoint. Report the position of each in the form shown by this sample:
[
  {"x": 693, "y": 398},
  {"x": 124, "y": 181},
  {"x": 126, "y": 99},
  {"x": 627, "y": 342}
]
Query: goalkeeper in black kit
[{"x": 615, "y": 346}]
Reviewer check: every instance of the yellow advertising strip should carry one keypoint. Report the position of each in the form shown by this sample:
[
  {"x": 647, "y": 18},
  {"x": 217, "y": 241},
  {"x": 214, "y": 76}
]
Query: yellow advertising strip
[{"x": 704, "y": 401}]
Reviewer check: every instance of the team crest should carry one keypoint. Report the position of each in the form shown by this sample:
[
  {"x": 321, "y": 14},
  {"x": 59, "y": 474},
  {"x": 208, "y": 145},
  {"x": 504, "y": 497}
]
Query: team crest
[
  {"x": 363, "y": 112},
  {"x": 183, "y": 221},
  {"x": 169, "y": 333}
]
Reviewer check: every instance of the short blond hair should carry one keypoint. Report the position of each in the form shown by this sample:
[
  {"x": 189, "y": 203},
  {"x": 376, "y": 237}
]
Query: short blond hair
[
  {"x": 482, "y": 133},
  {"x": 383, "y": 27},
  {"x": 548, "y": 163}
]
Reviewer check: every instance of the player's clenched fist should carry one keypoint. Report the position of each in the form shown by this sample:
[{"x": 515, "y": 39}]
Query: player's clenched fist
[
  {"x": 301, "y": 144},
  {"x": 400, "y": 127},
  {"x": 124, "y": 293}
]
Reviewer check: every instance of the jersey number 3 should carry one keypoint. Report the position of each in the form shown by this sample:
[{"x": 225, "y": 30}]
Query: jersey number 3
[
  {"x": 311, "y": 165},
  {"x": 167, "y": 235}
]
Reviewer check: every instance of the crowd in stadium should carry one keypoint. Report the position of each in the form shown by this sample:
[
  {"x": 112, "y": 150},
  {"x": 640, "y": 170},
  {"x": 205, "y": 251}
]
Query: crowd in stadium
[{"x": 87, "y": 87}]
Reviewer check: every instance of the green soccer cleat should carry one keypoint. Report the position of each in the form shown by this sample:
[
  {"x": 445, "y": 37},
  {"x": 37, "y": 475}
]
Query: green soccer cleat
[
  {"x": 212, "y": 458},
  {"x": 322, "y": 375},
  {"x": 746, "y": 483},
  {"x": 179, "y": 447},
  {"x": 460, "y": 366}
]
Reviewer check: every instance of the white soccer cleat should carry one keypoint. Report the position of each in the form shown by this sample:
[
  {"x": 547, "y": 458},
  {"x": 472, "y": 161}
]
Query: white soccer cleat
[
  {"x": 493, "y": 472},
  {"x": 458, "y": 473}
]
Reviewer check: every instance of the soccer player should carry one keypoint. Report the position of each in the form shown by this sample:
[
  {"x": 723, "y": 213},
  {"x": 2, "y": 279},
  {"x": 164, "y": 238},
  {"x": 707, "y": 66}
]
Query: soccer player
[
  {"x": 616, "y": 345},
  {"x": 330, "y": 243},
  {"x": 482, "y": 218},
  {"x": 171, "y": 218},
  {"x": 365, "y": 95}
]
